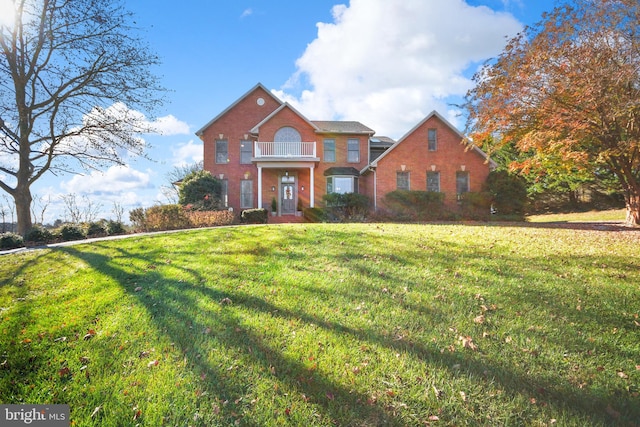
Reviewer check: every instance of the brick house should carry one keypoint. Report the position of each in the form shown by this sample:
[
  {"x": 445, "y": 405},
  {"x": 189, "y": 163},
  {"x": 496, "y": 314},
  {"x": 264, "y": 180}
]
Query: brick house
[{"x": 263, "y": 149}]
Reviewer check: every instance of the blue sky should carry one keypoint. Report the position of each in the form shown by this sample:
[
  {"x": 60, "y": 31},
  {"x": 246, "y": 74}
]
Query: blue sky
[{"x": 386, "y": 63}]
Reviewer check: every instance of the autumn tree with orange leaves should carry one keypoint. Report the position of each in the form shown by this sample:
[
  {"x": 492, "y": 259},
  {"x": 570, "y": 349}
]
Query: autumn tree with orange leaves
[{"x": 566, "y": 92}]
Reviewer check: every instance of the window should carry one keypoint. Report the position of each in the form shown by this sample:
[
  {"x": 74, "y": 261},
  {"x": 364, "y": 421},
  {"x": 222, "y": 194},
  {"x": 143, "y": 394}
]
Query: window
[
  {"x": 287, "y": 134},
  {"x": 329, "y": 150},
  {"x": 222, "y": 151},
  {"x": 342, "y": 184},
  {"x": 462, "y": 182},
  {"x": 433, "y": 140},
  {"x": 246, "y": 193},
  {"x": 246, "y": 151},
  {"x": 224, "y": 193},
  {"x": 402, "y": 180},
  {"x": 433, "y": 181},
  {"x": 353, "y": 150}
]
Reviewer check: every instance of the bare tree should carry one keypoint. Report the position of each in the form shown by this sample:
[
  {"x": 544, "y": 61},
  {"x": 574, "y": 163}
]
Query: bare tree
[
  {"x": 85, "y": 210},
  {"x": 118, "y": 211},
  {"x": 8, "y": 207},
  {"x": 71, "y": 73},
  {"x": 39, "y": 207}
]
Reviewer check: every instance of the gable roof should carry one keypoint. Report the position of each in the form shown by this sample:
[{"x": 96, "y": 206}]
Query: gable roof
[
  {"x": 434, "y": 113},
  {"x": 256, "y": 128},
  {"x": 329, "y": 126},
  {"x": 226, "y": 110}
]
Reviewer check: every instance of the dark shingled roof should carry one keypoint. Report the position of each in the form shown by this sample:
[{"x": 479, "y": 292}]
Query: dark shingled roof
[
  {"x": 342, "y": 171},
  {"x": 341, "y": 127}
]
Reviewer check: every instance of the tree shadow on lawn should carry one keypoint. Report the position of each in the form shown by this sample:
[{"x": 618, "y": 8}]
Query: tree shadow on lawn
[{"x": 174, "y": 304}]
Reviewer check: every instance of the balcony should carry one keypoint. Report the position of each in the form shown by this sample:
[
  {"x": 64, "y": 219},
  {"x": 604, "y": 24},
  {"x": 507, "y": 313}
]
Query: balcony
[{"x": 285, "y": 150}]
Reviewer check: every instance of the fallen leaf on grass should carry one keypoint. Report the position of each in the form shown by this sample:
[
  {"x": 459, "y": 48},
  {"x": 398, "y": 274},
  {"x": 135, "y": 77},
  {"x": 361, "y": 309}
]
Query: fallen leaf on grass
[
  {"x": 64, "y": 372},
  {"x": 479, "y": 319},
  {"x": 138, "y": 289},
  {"x": 90, "y": 334},
  {"x": 623, "y": 375},
  {"x": 153, "y": 363},
  {"x": 467, "y": 342},
  {"x": 330, "y": 396},
  {"x": 95, "y": 411},
  {"x": 225, "y": 301}
]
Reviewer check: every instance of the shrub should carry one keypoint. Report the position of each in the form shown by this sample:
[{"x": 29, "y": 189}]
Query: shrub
[
  {"x": 315, "y": 214},
  {"x": 346, "y": 207},
  {"x": 71, "y": 232},
  {"x": 508, "y": 193},
  {"x": 138, "y": 219},
  {"x": 38, "y": 234},
  {"x": 254, "y": 216},
  {"x": 115, "y": 227},
  {"x": 475, "y": 206},
  {"x": 96, "y": 229},
  {"x": 201, "y": 191},
  {"x": 415, "y": 205},
  {"x": 210, "y": 218},
  {"x": 11, "y": 241},
  {"x": 165, "y": 217}
]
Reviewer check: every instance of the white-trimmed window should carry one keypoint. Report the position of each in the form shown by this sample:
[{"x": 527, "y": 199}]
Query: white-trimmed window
[
  {"x": 246, "y": 194},
  {"x": 222, "y": 151},
  {"x": 329, "y": 146},
  {"x": 353, "y": 150},
  {"x": 462, "y": 182},
  {"x": 246, "y": 151},
  {"x": 342, "y": 184},
  {"x": 433, "y": 181},
  {"x": 224, "y": 192},
  {"x": 403, "y": 181},
  {"x": 432, "y": 139}
]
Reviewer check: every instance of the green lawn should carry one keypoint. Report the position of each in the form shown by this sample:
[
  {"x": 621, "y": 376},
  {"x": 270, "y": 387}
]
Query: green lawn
[
  {"x": 618, "y": 215},
  {"x": 352, "y": 325}
]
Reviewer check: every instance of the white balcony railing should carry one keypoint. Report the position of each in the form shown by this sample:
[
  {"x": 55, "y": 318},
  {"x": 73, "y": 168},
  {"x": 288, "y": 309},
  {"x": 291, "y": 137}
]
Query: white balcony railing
[{"x": 285, "y": 149}]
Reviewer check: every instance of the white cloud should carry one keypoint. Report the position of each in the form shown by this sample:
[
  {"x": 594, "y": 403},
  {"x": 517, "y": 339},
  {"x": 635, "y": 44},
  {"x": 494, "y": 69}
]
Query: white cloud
[
  {"x": 187, "y": 153},
  {"x": 169, "y": 125},
  {"x": 115, "y": 181},
  {"x": 246, "y": 12},
  {"x": 388, "y": 64}
]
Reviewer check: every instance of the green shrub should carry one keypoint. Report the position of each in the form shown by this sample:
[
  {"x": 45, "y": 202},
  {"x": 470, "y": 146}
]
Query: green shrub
[
  {"x": 415, "y": 205},
  {"x": 200, "y": 191},
  {"x": 475, "y": 206},
  {"x": 508, "y": 193},
  {"x": 254, "y": 216},
  {"x": 315, "y": 214},
  {"x": 38, "y": 234},
  {"x": 115, "y": 227},
  {"x": 71, "y": 232},
  {"x": 165, "y": 217},
  {"x": 96, "y": 229},
  {"x": 210, "y": 218},
  {"x": 346, "y": 207},
  {"x": 11, "y": 241}
]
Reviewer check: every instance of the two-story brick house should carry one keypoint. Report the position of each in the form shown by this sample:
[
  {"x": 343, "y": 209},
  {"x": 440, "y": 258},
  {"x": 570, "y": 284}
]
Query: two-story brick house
[{"x": 263, "y": 149}]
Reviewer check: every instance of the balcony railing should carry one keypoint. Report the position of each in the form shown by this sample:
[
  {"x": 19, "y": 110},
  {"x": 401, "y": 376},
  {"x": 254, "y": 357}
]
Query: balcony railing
[{"x": 285, "y": 149}]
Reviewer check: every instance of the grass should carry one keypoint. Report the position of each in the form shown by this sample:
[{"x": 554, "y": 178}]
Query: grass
[
  {"x": 590, "y": 216},
  {"x": 361, "y": 325}
]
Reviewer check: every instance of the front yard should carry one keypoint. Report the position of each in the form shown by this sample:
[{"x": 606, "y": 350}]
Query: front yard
[{"x": 323, "y": 324}]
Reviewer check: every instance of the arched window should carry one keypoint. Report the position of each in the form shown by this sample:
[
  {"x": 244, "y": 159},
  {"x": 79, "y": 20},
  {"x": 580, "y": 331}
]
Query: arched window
[{"x": 287, "y": 134}]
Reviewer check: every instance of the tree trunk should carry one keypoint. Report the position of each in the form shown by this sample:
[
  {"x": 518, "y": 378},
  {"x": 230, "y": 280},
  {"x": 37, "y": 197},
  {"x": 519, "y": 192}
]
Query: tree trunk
[
  {"x": 23, "y": 200},
  {"x": 633, "y": 209}
]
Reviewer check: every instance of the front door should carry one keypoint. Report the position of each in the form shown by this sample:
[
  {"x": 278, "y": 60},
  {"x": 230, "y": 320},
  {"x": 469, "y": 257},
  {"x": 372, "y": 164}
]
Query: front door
[{"x": 287, "y": 199}]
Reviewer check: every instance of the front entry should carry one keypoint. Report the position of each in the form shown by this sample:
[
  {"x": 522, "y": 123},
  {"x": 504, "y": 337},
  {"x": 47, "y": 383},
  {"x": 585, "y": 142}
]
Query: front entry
[{"x": 287, "y": 199}]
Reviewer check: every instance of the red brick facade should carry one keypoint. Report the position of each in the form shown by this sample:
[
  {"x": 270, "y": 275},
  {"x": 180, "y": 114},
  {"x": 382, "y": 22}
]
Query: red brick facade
[{"x": 340, "y": 157}]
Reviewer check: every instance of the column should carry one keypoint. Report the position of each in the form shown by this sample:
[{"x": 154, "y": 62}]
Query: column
[
  {"x": 312, "y": 191},
  {"x": 259, "y": 187}
]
